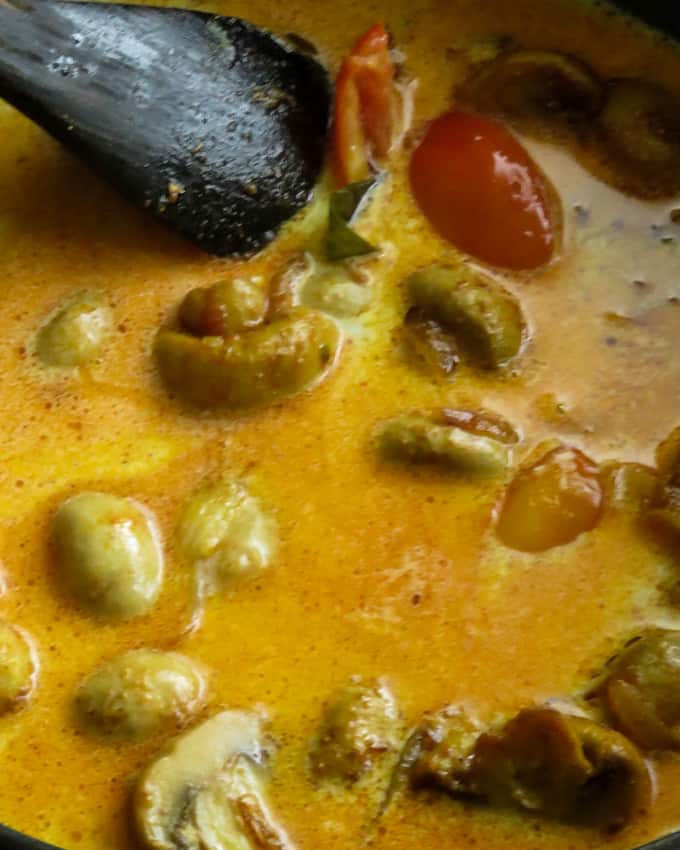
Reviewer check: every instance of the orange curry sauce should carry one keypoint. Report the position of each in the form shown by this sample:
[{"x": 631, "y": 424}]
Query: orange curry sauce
[{"x": 381, "y": 571}]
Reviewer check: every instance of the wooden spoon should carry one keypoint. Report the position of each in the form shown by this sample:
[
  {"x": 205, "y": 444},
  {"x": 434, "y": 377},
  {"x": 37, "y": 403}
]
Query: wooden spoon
[{"x": 215, "y": 126}]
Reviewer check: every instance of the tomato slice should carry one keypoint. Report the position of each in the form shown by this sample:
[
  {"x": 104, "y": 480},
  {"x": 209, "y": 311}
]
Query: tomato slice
[
  {"x": 363, "y": 106},
  {"x": 349, "y": 140},
  {"x": 551, "y": 503},
  {"x": 375, "y": 76},
  {"x": 480, "y": 190}
]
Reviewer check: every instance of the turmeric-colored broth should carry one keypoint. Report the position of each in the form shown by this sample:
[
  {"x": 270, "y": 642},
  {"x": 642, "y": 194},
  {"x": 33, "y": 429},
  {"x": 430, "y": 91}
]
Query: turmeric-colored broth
[{"x": 382, "y": 571}]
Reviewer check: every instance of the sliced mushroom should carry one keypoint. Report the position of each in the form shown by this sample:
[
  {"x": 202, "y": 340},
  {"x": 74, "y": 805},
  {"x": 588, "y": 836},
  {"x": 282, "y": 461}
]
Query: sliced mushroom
[
  {"x": 564, "y": 767},
  {"x": 361, "y": 726},
  {"x": 225, "y": 533},
  {"x": 206, "y": 790},
  {"x": 483, "y": 316},
  {"x": 18, "y": 668},
  {"x": 454, "y": 440},
  {"x": 230, "y": 813}
]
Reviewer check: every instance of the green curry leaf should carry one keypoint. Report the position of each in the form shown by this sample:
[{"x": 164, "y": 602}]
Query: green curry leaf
[{"x": 341, "y": 241}]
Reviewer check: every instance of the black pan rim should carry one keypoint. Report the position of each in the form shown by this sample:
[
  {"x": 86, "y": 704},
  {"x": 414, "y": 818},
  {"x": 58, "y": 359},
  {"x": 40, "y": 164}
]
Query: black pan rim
[{"x": 662, "y": 16}]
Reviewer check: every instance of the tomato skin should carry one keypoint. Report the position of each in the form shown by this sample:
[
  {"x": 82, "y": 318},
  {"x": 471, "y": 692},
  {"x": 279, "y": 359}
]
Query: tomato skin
[
  {"x": 480, "y": 190},
  {"x": 362, "y": 120},
  {"x": 375, "y": 76},
  {"x": 551, "y": 503},
  {"x": 349, "y": 142}
]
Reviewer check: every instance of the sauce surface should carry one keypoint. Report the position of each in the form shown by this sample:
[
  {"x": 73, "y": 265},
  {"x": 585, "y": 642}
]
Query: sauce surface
[{"x": 381, "y": 571}]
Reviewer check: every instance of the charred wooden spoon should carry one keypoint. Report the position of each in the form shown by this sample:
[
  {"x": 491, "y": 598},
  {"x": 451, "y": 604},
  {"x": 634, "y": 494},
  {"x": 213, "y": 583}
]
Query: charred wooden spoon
[{"x": 215, "y": 126}]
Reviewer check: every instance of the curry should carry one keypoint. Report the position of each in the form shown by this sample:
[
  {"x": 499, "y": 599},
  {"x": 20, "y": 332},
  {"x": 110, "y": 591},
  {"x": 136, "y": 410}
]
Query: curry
[{"x": 370, "y": 537}]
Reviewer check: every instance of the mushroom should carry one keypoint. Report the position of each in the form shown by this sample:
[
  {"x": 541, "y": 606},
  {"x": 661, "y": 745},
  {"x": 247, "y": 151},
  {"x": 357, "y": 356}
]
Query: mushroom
[
  {"x": 109, "y": 554},
  {"x": 485, "y": 319},
  {"x": 463, "y": 442},
  {"x": 18, "y": 668},
  {"x": 140, "y": 692},
  {"x": 205, "y": 791},
  {"x": 267, "y": 363},
  {"x": 225, "y": 308},
  {"x": 225, "y": 533},
  {"x": 440, "y": 750},
  {"x": 360, "y": 726},
  {"x": 642, "y": 690},
  {"x": 427, "y": 346},
  {"x": 76, "y": 332},
  {"x": 565, "y": 767}
]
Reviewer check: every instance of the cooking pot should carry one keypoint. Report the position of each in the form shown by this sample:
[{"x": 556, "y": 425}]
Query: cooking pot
[{"x": 664, "y": 15}]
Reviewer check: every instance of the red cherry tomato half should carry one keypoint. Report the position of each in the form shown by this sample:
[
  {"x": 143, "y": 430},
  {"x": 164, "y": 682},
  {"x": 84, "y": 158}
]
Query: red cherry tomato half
[
  {"x": 481, "y": 190},
  {"x": 362, "y": 122}
]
